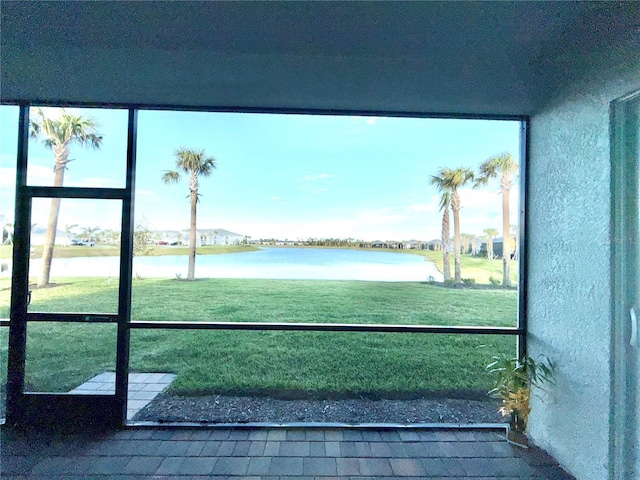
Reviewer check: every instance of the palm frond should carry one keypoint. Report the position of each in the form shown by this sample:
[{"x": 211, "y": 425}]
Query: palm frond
[
  {"x": 171, "y": 176},
  {"x": 498, "y": 165},
  {"x": 65, "y": 129},
  {"x": 445, "y": 200},
  {"x": 35, "y": 123},
  {"x": 456, "y": 178}
]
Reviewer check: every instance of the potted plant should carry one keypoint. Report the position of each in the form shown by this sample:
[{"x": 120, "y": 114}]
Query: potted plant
[{"x": 513, "y": 379}]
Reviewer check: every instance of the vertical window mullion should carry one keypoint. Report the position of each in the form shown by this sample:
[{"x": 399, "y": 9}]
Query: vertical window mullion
[
  {"x": 522, "y": 240},
  {"x": 126, "y": 267},
  {"x": 16, "y": 361}
]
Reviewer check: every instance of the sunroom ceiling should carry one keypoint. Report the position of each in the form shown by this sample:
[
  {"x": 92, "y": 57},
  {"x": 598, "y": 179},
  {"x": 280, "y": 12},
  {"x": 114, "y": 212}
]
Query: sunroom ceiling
[{"x": 439, "y": 57}]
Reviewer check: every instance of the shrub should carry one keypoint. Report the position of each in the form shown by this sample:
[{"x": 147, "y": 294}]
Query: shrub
[
  {"x": 494, "y": 281},
  {"x": 469, "y": 281},
  {"x": 513, "y": 379}
]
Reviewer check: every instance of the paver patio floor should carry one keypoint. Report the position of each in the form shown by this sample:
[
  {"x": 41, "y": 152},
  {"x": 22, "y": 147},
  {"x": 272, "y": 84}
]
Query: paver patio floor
[{"x": 270, "y": 453}]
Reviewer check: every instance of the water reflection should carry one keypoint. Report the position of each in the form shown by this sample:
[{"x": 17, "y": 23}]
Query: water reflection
[{"x": 274, "y": 263}]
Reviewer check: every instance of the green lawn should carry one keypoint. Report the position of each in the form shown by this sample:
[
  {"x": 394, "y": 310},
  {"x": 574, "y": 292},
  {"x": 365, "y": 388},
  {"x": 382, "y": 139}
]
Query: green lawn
[
  {"x": 256, "y": 300},
  {"x": 478, "y": 268},
  {"x": 290, "y": 364}
]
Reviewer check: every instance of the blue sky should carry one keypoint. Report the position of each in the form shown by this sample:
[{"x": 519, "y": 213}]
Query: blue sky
[{"x": 283, "y": 176}]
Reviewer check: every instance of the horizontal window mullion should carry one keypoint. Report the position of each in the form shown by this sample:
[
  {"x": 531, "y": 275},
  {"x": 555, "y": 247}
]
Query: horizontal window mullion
[
  {"x": 72, "y": 317},
  {"x": 328, "y": 327},
  {"x": 77, "y": 192}
]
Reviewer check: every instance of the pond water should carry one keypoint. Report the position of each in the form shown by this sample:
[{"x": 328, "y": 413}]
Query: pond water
[{"x": 275, "y": 263}]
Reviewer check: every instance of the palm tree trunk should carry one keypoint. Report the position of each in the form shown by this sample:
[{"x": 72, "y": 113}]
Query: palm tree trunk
[
  {"x": 191, "y": 273},
  {"x": 455, "y": 206},
  {"x": 516, "y": 248},
  {"x": 446, "y": 265},
  {"x": 506, "y": 240},
  {"x": 52, "y": 223}
]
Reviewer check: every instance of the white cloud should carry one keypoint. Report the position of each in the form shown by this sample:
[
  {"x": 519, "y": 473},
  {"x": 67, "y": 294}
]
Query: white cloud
[
  {"x": 100, "y": 182},
  {"x": 432, "y": 205},
  {"x": 53, "y": 112},
  {"x": 145, "y": 193},
  {"x": 320, "y": 176},
  {"x": 382, "y": 216},
  {"x": 358, "y": 120},
  {"x": 310, "y": 182},
  {"x": 84, "y": 212},
  {"x": 7, "y": 177},
  {"x": 37, "y": 175},
  {"x": 482, "y": 209}
]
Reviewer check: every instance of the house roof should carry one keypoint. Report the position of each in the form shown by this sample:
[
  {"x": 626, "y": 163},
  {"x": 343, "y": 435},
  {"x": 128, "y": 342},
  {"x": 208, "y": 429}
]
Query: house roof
[
  {"x": 438, "y": 57},
  {"x": 221, "y": 232}
]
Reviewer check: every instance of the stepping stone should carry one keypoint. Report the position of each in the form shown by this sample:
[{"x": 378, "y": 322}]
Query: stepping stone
[{"x": 143, "y": 388}]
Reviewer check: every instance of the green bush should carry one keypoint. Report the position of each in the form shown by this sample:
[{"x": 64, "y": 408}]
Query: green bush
[{"x": 494, "y": 281}]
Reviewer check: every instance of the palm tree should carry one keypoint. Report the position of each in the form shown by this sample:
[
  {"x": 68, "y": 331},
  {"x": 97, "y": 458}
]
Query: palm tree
[
  {"x": 501, "y": 166},
  {"x": 58, "y": 135},
  {"x": 8, "y": 229},
  {"x": 516, "y": 235},
  {"x": 466, "y": 242},
  {"x": 491, "y": 234},
  {"x": 453, "y": 180},
  {"x": 196, "y": 164},
  {"x": 90, "y": 232},
  {"x": 473, "y": 239},
  {"x": 108, "y": 235},
  {"x": 445, "y": 204},
  {"x": 68, "y": 231}
]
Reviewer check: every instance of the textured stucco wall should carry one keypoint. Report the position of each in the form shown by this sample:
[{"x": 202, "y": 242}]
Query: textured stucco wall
[{"x": 569, "y": 290}]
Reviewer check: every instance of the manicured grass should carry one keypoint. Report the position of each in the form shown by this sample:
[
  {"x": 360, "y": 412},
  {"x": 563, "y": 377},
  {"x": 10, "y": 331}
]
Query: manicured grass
[
  {"x": 478, "y": 268},
  {"x": 318, "y": 364},
  {"x": 258, "y": 300},
  {"x": 291, "y": 364}
]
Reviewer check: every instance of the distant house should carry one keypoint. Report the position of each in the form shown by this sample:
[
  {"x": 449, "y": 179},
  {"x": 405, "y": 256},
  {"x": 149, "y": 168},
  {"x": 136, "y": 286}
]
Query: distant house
[
  {"x": 168, "y": 237},
  {"x": 416, "y": 244},
  {"x": 204, "y": 236},
  {"x": 435, "y": 244},
  {"x": 218, "y": 236},
  {"x": 287, "y": 243},
  {"x": 387, "y": 244},
  {"x": 497, "y": 247}
]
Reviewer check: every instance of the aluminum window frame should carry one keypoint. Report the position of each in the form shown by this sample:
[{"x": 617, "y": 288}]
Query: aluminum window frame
[{"x": 24, "y": 193}]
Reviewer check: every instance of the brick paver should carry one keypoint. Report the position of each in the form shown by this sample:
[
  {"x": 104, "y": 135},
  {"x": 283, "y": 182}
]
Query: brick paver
[{"x": 271, "y": 454}]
